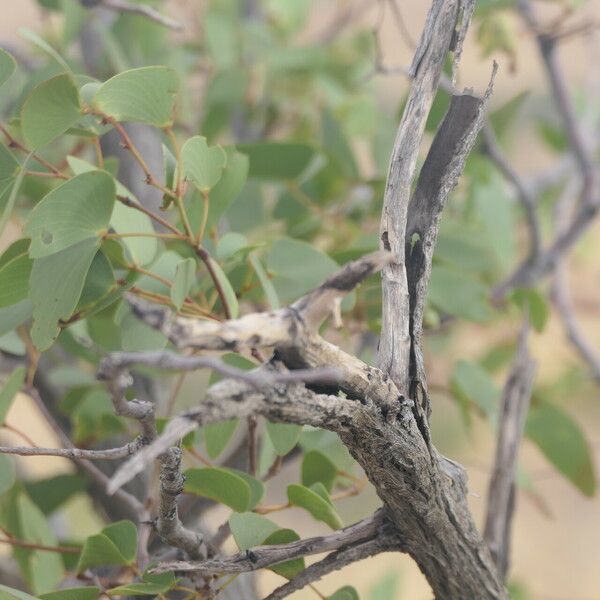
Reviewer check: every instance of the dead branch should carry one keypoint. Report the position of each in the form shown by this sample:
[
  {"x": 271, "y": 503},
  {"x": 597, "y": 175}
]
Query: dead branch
[
  {"x": 426, "y": 68},
  {"x": 501, "y": 494},
  {"x": 261, "y": 557}
]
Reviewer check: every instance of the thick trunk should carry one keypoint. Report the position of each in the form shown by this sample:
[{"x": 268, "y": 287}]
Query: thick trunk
[{"x": 425, "y": 497}]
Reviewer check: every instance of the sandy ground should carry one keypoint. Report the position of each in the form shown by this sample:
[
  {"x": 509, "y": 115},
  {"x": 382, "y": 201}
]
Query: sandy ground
[{"x": 555, "y": 554}]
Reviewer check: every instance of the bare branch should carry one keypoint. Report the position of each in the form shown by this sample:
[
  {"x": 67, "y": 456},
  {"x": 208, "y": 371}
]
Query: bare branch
[
  {"x": 169, "y": 360},
  {"x": 108, "y": 454},
  {"x": 229, "y": 399},
  {"x": 261, "y": 557},
  {"x": 426, "y": 68},
  {"x": 122, "y": 6},
  {"x": 130, "y": 502},
  {"x": 561, "y": 298},
  {"x": 262, "y": 330},
  {"x": 168, "y": 523},
  {"x": 526, "y": 196},
  {"x": 560, "y": 292},
  {"x": 530, "y": 272},
  {"x": 515, "y": 405},
  {"x": 336, "y": 561}
]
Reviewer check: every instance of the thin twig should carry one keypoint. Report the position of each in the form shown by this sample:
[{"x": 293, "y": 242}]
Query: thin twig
[{"x": 109, "y": 454}]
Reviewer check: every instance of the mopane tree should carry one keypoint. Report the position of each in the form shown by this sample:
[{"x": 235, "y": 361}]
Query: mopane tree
[{"x": 202, "y": 284}]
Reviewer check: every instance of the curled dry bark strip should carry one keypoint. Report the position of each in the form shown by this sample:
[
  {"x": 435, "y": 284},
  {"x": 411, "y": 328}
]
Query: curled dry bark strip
[
  {"x": 395, "y": 342},
  {"x": 261, "y": 557},
  {"x": 438, "y": 177},
  {"x": 501, "y": 493}
]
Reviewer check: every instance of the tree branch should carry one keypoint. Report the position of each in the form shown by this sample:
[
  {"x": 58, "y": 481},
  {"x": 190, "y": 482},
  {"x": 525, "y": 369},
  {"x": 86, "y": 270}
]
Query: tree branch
[
  {"x": 395, "y": 342},
  {"x": 335, "y": 561},
  {"x": 560, "y": 292},
  {"x": 530, "y": 272},
  {"x": 168, "y": 524},
  {"x": 80, "y": 453},
  {"x": 514, "y": 408},
  {"x": 261, "y": 557},
  {"x": 169, "y": 360}
]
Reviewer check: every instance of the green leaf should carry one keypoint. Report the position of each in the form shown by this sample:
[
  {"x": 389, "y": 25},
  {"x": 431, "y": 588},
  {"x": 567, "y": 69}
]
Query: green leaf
[
  {"x": 125, "y": 219},
  {"x": 14, "y": 185},
  {"x": 318, "y": 507},
  {"x": 496, "y": 215},
  {"x": 145, "y": 95},
  {"x": 49, "y": 110},
  {"x": 221, "y": 485},
  {"x": 504, "y": 116},
  {"x": 337, "y": 146},
  {"x": 345, "y": 593},
  {"x": 202, "y": 165},
  {"x": 249, "y": 529},
  {"x": 14, "y": 250},
  {"x": 229, "y": 186},
  {"x": 7, "y": 473},
  {"x": 283, "y": 436},
  {"x": 230, "y": 244},
  {"x": 100, "y": 281},
  {"x": 298, "y": 267},
  {"x": 14, "y": 280},
  {"x": 7, "y": 66},
  {"x": 9, "y": 165},
  {"x": 468, "y": 252},
  {"x": 43, "y": 570},
  {"x": 563, "y": 443},
  {"x": 13, "y": 316},
  {"x": 257, "y": 488},
  {"x": 472, "y": 385},
  {"x": 150, "y": 585},
  {"x": 56, "y": 285},
  {"x": 277, "y": 160},
  {"x": 35, "y": 39},
  {"x": 228, "y": 290},
  {"x": 185, "y": 276},
  {"x": 290, "y": 568},
  {"x": 8, "y": 593},
  {"x": 533, "y": 301},
  {"x": 79, "y": 593},
  {"x": 316, "y": 467},
  {"x": 217, "y": 436},
  {"x": 49, "y": 494},
  {"x": 136, "y": 336},
  {"x": 77, "y": 210},
  {"x": 265, "y": 282},
  {"x": 9, "y": 390},
  {"x": 455, "y": 293},
  {"x": 116, "y": 544}
]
